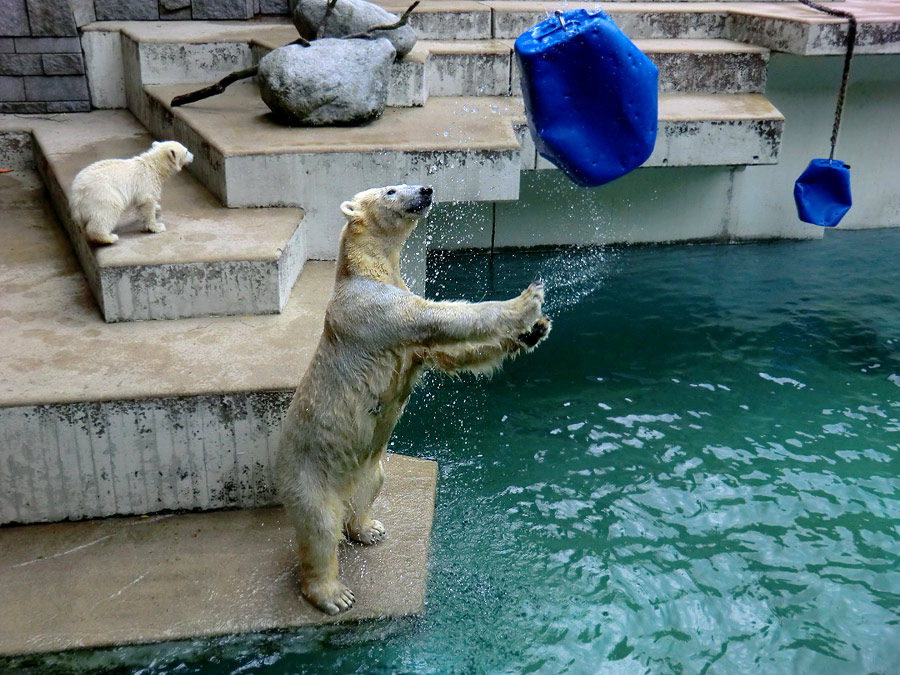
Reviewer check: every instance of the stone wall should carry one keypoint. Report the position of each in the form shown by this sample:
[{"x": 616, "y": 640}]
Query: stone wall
[{"x": 41, "y": 66}]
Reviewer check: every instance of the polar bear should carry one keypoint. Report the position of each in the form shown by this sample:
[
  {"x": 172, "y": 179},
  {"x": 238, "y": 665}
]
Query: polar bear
[
  {"x": 102, "y": 191},
  {"x": 377, "y": 339}
]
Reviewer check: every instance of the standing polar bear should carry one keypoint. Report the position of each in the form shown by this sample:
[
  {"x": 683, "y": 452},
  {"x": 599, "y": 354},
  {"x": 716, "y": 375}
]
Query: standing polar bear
[
  {"x": 377, "y": 339},
  {"x": 102, "y": 191}
]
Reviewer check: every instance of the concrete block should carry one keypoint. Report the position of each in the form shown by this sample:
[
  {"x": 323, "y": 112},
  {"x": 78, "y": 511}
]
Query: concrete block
[
  {"x": 83, "y": 12},
  {"x": 46, "y": 45},
  {"x": 274, "y": 7},
  {"x": 126, "y": 10},
  {"x": 105, "y": 68},
  {"x": 50, "y": 18},
  {"x": 22, "y": 107},
  {"x": 467, "y": 73},
  {"x": 7, "y": 45},
  {"x": 63, "y": 64},
  {"x": 12, "y": 88},
  {"x": 56, "y": 88},
  {"x": 175, "y": 15},
  {"x": 20, "y": 64},
  {"x": 14, "y": 18},
  {"x": 647, "y": 205},
  {"x": 174, "y": 5},
  {"x": 472, "y": 23},
  {"x": 68, "y": 106},
  {"x": 407, "y": 87},
  {"x": 222, "y": 9},
  {"x": 165, "y": 63}
]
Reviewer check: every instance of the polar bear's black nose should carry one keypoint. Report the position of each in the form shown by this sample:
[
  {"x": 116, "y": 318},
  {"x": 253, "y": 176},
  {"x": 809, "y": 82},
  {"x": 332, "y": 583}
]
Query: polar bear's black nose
[{"x": 427, "y": 191}]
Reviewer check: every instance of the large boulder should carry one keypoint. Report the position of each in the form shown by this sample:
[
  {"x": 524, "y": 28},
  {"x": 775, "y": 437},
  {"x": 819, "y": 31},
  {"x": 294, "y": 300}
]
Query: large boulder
[
  {"x": 350, "y": 17},
  {"x": 330, "y": 82}
]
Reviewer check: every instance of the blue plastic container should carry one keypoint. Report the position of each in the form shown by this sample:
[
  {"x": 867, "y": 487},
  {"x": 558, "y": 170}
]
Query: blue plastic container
[
  {"x": 822, "y": 193},
  {"x": 590, "y": 96}
]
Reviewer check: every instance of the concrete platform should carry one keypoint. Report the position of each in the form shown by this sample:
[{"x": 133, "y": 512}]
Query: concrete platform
[
  {"x": 102, "y": 419},
  {"x": 211, "y": 260},
  {"x": 245, "y": 158},
  {"x": 123, "y": 581}
]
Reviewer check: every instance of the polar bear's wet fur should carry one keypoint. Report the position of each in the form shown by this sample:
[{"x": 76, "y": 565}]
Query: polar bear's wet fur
[
  {"x": 102, "y": 191},
  {"x": 377, "y": 339}
]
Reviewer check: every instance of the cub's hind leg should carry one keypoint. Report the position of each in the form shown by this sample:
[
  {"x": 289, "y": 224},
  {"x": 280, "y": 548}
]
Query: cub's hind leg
[
  {"x": 100, "y": 223},
  {"x": 360, "y": 526}
]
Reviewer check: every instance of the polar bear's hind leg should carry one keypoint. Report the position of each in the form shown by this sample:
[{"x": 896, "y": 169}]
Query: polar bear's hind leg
[
  {"x": 360, "y": 525},
  {"x": 101, "y": 222},
  {"x": 318, "y": 527}
]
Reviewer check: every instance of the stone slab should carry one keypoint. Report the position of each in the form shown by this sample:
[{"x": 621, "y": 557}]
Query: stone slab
[
  {"x": 210, "y": 261},
  {"x": 132, "y": 580}
]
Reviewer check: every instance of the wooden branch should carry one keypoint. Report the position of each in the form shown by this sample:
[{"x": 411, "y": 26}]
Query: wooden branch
[
  {"x": 329, "y": 8},
  {"x": 214, "y": 89},
  {"x": 368, "y": 34}
]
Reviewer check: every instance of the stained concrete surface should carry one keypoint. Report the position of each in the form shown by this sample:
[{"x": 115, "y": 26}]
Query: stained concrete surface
[
  {"x": 55, "y": 347},
  {"x": 167, "y": 577}
]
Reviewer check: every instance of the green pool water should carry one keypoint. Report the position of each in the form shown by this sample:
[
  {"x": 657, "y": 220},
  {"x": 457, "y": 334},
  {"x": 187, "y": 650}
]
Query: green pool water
[{"x": 698, "y": 472}]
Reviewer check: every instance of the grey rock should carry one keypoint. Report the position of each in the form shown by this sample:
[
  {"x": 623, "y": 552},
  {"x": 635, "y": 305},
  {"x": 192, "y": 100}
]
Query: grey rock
[
  {"x": 12, "y": 88},
  {"x": 126, "y": 10},
  {"x": 22, "y": 107},
  {"x": 331, "y": 82},
  {"x": 50, "y": 18},
  {"x": 222, "y": 9},
  {"x": 14, "y": 18},
  {"x": 63, "y": 64},
  {"x": 45, "y": 45},
  {"x": 68, "y": 106},
  {"x": 274, "y": 7},
  {"x": 7, "y": 45},
  {"x": 20, "y": 64},
  {"x": 348, "y": 18},
  {"x": 83, "y": 11},
  {"x": 56, "y": 88},
  {"x": 173, "y": 5}
]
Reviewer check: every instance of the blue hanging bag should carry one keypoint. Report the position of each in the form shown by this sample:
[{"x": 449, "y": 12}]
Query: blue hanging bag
[
  {"x": 822, "y": 192},
  {"x": 590, "y": 95}
]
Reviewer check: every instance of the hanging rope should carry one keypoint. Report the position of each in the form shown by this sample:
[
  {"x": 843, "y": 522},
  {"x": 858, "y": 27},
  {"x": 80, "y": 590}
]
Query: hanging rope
[{"x": 845, "y": 78}]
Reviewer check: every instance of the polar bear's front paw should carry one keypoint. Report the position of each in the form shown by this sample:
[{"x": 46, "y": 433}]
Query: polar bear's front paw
[
  {"x": 537, "y": 333},
  {"x": 155, "y": 227},
  {"x": 329, "y": 596},
  {"x": 366, "y": 531}
]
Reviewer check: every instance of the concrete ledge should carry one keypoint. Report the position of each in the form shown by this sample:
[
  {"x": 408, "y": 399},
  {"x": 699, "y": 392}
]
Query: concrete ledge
[
  {"x": 125, "y": 581},
  {"x": 464, "y": 147},
  {"x": 211, "y": 261}
]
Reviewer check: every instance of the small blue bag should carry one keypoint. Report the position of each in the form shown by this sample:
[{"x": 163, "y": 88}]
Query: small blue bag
[
  {"x": 822, "y": 192},
  {"x": 590, "y": 95}
]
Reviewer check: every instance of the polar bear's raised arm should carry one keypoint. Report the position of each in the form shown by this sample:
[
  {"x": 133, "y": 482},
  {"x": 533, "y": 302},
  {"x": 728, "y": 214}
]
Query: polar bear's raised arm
[{"x": 434, "y": 324}]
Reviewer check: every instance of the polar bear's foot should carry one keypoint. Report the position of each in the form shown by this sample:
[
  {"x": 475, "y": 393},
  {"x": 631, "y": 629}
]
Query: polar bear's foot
[
  {"x": 329, "y": 596},
  {"x": 155, "y": 227},
  {"x": 366, "y": 531}
]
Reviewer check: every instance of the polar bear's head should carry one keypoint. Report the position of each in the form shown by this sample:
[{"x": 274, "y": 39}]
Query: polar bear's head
[
  {"x": 170, "y": 155},
  {"x": 389, "y": 210}
]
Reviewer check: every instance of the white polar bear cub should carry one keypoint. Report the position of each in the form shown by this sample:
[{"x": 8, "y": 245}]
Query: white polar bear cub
[
  {"x": 377, "y": 338},
  {"x": 102, "y": 191}
]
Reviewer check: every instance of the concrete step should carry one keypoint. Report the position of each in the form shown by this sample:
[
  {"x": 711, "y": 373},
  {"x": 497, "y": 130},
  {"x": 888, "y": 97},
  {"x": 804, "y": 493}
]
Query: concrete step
[
  {"x": 461, "y": 146},
  {"x": 102, "y": 419},
  {"x": 120, "y": 581},
  {"x": 703, "y": 66},
  {"x": 695, "y": 130},
  {"x": 210, "y": 261}
]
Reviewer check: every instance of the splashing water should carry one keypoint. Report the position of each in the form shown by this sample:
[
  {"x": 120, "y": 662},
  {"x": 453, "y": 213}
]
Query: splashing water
[{"x": 651, "y": 491}]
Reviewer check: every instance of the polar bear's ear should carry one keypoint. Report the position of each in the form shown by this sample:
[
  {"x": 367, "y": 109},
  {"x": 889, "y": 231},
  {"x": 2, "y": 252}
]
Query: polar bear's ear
[
  {"x": 154, "y": 144},
  {"x": 348, "y": 209}
]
